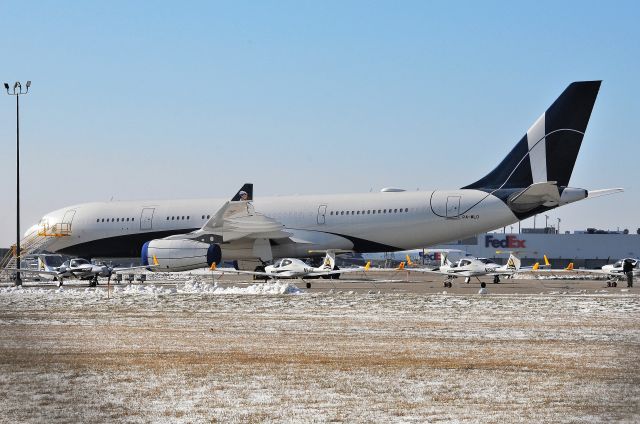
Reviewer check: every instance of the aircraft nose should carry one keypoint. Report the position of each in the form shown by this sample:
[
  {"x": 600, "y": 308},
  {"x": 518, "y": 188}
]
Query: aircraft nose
[{"x": 32, "y": 230}]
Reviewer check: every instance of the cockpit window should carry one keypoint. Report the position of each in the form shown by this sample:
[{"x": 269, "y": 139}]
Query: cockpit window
[
  {"x": 617, "y": 264},
  {"x": 486, "y": 261},
  {"x": 78, "y": 262},
  {"x": 286, "y": 262},
  {"x": 53, "y": 261},
  {"x": 464, "y": 262}
]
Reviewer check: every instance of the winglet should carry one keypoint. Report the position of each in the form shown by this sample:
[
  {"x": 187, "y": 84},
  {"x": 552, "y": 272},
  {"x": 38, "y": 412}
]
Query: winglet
[
  {"x": 155, "y": 260},
  {"x": 246, "y": 189},
  {"x": 213, "y": 266},
  {"x": 546, "y": 261},
  {"x": 536, "y": 266}
]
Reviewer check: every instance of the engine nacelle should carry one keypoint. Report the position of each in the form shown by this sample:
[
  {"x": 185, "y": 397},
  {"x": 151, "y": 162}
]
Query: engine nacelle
[{"x": 180, "y": 254}]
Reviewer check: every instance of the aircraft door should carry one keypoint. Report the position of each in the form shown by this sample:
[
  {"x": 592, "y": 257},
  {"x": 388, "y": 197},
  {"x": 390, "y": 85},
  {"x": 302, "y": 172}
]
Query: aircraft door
[
  {"x": 68, "y": 216},
  {"x": 322, "y": 212},
  {"x": 65, "y": 225},
  {"x": 146, "y": 218},
  {"x": 453, "y": 207}
]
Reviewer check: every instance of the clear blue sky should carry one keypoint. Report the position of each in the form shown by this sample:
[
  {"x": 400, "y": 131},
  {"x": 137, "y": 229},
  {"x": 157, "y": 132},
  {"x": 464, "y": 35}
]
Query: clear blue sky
[{"x": 147, "y": 100}]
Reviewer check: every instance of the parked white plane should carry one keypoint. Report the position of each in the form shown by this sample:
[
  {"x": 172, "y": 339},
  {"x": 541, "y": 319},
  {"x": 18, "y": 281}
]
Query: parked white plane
[
  {"x": 469, "y": 267},
  {"x": 296, "y": 268},
  {"x": 614, "y": 270},
  {"x": 80, "y": 269},
  {"x": 189, "y": 234}
]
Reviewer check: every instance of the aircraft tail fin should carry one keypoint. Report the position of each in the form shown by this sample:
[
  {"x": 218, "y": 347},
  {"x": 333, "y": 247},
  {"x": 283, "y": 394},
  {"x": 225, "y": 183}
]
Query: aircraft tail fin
[
  {"x": 401, "y": 266},
  {"x": 444, "y": 259},
  {"x": 409, "y": 262},
  {"x": 536, "y": 266},
  {"x": 549, "y": 149},
  {"x": 546, "y": 260},
  {"x": 569, "y": 267},
  {"x": 367, "y": 266},
  {"x": 246, "y": 190},
  {"x": 329, "y": 259},
  {"x": 513, "y": 262}
]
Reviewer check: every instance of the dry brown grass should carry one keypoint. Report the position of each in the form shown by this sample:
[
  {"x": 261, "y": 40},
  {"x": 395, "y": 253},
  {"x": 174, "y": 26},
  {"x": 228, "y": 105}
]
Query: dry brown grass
[{"x": 182, "y": 365}]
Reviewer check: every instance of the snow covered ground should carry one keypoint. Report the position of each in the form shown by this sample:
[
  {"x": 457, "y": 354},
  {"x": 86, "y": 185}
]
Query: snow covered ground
[{"x": 200, "y": 352}]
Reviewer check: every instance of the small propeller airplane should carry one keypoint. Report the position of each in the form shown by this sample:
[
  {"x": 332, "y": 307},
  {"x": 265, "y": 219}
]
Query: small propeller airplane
[
  {"x": 82, "y": 269},
  {"x": 467, "y": 267},
  {"x": 613, "y": 271},
  {"x": 296, "y": 268}
]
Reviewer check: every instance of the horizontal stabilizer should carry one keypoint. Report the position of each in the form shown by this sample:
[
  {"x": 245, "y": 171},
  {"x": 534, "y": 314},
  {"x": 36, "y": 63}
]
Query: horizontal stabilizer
[
  {"x": 603, "y": 192},
  {"x": 538, "y": 194}
]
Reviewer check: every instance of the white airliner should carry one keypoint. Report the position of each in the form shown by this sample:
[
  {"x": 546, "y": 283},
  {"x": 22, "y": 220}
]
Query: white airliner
[{"x": 188, "y": 234}]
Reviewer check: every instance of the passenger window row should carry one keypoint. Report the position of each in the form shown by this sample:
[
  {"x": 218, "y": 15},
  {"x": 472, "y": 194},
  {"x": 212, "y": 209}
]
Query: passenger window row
[
  {"x": 370, "y": 211},
  {"x": 114, "y": 220},
  {"x": 178, "y": 218}
]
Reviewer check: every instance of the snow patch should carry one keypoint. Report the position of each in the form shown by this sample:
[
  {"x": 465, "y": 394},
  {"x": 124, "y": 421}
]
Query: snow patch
[{"x": 275, "y": 287}]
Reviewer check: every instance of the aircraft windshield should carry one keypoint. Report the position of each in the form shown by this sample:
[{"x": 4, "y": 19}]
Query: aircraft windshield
[
  {"x": 486, "y": 261},
  {"x": 53, "y": 261},
  {"x": 617, "y": 264},
  {"x": 78, "y": 262}
]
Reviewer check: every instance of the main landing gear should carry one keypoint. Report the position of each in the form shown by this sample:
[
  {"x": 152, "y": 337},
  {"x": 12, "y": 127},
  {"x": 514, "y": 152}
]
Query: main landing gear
[
  {"x": 447, "y": 283},
  {"x": 94, "y": 282}
]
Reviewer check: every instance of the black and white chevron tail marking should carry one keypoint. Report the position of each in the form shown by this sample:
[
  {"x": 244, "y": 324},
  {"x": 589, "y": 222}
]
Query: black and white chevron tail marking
[{"x": 549, "y": 149}]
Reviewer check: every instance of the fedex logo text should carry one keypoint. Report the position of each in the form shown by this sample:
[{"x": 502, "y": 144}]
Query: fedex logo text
[
  {"x": 510, "y": 242},
  {"x": 430, "y": 256}
]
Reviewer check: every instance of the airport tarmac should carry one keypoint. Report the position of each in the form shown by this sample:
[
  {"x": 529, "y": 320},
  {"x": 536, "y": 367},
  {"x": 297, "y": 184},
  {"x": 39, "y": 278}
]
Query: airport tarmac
[{"x": 188, "y": 350}]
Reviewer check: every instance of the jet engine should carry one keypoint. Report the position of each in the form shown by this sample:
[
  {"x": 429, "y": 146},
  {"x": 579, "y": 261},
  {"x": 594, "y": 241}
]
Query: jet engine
[{"x": 180, "y": 254}]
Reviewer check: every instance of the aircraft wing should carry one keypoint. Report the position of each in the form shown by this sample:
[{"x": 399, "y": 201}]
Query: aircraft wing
[
  {"x": 32, "y": 271},
  {"x": 131, "y": 268},
  {"x": 505, "y": 272},
  {"x": 586, "y": 271},
  {"x": 427, "y": 271},
  {"x": 238, "y": 219},
  {"x": 423, "y": 270},
  {"x": 337, "y": 271}
]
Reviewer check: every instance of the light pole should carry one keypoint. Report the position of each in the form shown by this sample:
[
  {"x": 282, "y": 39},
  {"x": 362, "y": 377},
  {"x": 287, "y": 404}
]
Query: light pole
[
  {"x": 17, "y": 91},
  {"x": 546, "y": 222},
  {"x": 558, "y": 225}
]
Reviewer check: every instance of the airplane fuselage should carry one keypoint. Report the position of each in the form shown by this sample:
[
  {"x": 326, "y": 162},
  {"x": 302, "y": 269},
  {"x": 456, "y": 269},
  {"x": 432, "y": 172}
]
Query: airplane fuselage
[{"x": 370, "y": 222}]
